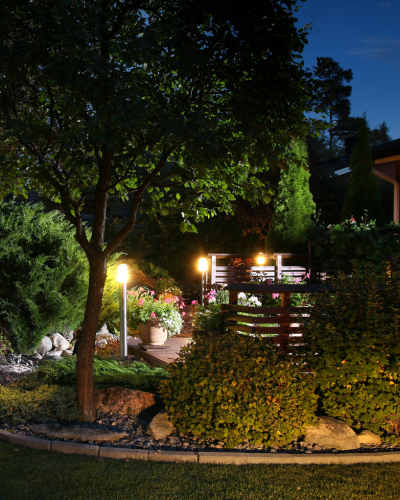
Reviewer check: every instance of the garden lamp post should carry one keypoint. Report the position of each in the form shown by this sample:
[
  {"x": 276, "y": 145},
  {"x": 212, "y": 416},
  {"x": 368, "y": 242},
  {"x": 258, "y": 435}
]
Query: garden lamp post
[
  {"x": 122, "y": 278},
  {"x": 203, "y": 267}
]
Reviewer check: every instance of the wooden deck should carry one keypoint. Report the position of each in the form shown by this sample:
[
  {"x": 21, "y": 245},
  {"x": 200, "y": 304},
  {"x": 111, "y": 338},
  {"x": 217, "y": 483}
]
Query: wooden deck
[{"x": 158, "y": 356}]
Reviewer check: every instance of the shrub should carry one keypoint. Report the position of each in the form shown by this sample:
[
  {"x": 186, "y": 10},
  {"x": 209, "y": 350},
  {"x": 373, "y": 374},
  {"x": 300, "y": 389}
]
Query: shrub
[
  {"x": 209, "y": 317},
  {"x": 43, "y": 274},
  {"x": 107, "y": 373},
  {"x": 355, "y": 331},
  {"x": 44, "y": 403},
  {"x": 234, "y": 389}
]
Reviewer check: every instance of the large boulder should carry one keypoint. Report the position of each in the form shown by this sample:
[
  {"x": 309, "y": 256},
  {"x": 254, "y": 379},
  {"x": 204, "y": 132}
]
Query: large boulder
[
  {"x": 332, "y": 433},
  {"x": 45, "y": 346},
  {"x": 369, "y": 438},
  {"x": 3, "y": 360},
  {"x": 160, "y": 427},
  {"x": 123, "y": 401},
  {"x": 69, "y": 335},
  {"x": 59, "y": 342}
]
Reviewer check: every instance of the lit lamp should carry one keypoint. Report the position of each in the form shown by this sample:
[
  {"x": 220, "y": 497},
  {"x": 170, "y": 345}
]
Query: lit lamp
[
  {"x": 122, "y": 278},
  {"x": 203, "y": 267},
  {"x": 260, "y": 259}
]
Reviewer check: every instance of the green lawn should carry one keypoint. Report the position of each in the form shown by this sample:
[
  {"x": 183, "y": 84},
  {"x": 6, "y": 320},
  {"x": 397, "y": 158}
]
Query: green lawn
[{"x": 36, "y": 475}]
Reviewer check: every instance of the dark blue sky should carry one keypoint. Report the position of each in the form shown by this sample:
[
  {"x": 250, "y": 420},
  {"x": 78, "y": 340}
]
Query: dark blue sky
[{"x": 363, "y": 35}]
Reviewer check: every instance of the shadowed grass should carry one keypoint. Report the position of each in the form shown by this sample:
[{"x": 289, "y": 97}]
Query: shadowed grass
[{"x": 34, "y": 475}]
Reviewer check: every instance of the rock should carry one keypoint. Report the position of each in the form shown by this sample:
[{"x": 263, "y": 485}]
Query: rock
[
  {"x": 66, "y": 353},
  {"x": 69, "y": 335},
  {"x": 368, "y": 437},
  {"x": 104, "y": 331},
  {"x": 44, "y": 346},
  {"x": 35, "y": 357},
  {"x": 77, "y": 433},
  {"x": 160, "y": 427},
  {"x": 59, "y": 342},
  {"x": 123, "y": 401},
  {"x": 3, "y": 360},
  {"x": 332, "y": 433}
]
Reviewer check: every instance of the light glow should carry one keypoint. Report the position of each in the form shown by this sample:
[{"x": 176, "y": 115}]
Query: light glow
[
  {"x": 203, "y": 266},
  {"x": 122, "y": 273},
  {"x": 260, "y": 259}
]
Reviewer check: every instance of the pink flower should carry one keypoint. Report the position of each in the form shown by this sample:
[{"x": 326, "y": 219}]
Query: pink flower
[
  {"x": 296, "y": 280},
  {"x": 183, "y": 314},
  {"x": 132, "y": 293},
  {"x": 141, "y": 289},
  {"x": 176, "y": 299},
  {"x": 275, "y": 295},
  {"x": 213, "y": 292},
  {"x": 194, "y": 302},
  {"x": 168, "y": 300},
  {"x": 181, "y": 306},
  {"x": 140, "y": 302},
  {"x": 153, "y": 315},
  {"x": 307, "y": 276},
  {"x": 152, "y": 292}
]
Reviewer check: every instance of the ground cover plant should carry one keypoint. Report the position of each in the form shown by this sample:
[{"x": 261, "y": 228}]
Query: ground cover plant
[
  {"x": 97, "y": 479},
  {"x": 233, "y": 389},
  {"x": 43, "y": 274},
  {"x": 355, "y": 329}
]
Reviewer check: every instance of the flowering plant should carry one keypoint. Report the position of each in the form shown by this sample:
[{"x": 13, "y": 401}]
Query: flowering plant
[
  {"x": 143, "y": 306},
  {"x": 209, "y": 317}
]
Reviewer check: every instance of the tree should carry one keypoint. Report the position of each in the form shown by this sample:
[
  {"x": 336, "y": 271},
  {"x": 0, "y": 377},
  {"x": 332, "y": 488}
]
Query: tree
[
  {"x": 178, "y": 104},
  {"x": 333, "y": 95},
  {"x": 294, "y": 205},
  {"x": 363, "y": 192}
]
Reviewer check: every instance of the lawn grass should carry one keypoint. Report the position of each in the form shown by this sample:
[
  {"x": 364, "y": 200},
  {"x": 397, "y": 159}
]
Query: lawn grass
[{"x": 36, "y": 475}]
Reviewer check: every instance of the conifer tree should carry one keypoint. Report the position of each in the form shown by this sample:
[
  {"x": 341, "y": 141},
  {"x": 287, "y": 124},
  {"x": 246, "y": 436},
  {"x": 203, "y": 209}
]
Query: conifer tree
[
  {"x": 294, "y": 205},
  {"x": 363, "y": 192}
]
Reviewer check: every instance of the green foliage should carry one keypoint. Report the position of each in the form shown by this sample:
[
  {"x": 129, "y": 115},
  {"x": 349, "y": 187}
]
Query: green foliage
[
  {"x": 233, "y": 389},
  {"x": 355, "y": 329},
  {"x": 294, "y": 206},
  {"x": 362, "y": 242},
  {"x": 107, "y": 373},
  {"x": 43, "y": 274},
  {"x": 42, "y": 404},
  {"x": 363, "y": 192}
]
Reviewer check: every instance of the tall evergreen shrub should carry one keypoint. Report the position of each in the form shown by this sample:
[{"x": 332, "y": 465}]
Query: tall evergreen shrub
[
  {"x": 294, "y": 205},
  {"x": 43, "y": 274},
  {"x": 363, "y": 192}
]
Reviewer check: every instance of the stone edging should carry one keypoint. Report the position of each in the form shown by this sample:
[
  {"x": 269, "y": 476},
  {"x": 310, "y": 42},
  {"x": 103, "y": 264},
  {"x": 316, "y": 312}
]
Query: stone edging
[{"x": 197, "y": 457}]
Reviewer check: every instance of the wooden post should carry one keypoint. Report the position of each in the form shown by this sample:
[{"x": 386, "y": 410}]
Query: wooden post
[
  {"x": 278, "y": 270},
  {"x": 284, "y": 330},
  {"x": 213, "y": 269}
]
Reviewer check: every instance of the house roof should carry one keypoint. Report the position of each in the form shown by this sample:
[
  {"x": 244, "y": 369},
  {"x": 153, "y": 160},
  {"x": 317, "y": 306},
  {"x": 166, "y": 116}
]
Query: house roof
[{"x": 391, "y": 148}]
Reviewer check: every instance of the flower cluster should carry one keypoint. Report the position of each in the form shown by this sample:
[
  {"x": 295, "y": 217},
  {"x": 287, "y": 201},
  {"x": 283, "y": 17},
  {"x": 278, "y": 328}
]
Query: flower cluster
[
  {"x": 143, "y": 306},
  {"x": 209, "y": 317},
  {"x": 243, "y": 300}
]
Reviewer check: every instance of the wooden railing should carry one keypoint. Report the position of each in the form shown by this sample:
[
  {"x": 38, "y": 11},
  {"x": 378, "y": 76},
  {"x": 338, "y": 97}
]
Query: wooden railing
[
  {"x": 221, "y": 273},
  {"x": 283, "y": 329}
]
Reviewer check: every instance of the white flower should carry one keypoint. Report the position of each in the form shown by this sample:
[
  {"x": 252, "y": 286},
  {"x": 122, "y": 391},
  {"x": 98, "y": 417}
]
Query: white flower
[
  {"x": 241, "y": 295},
  {"x": 252, "y": 299}
]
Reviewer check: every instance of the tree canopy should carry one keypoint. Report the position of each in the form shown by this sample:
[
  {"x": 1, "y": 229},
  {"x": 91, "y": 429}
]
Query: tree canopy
[{"x": 178, "y": 103}]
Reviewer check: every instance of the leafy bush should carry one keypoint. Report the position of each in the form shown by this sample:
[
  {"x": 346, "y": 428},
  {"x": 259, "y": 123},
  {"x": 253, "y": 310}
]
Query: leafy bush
[
  {"x": 107, "y": 373},
  {"x": 43, "y": 274},
  {"x": 355, "y": 331},
  {"x": 233, "y": 389},
  {"x": 44, "y": 403}
]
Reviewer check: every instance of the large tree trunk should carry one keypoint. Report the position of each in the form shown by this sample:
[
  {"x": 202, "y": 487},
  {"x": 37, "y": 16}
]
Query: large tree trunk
[{"x": 86, "y": 342}]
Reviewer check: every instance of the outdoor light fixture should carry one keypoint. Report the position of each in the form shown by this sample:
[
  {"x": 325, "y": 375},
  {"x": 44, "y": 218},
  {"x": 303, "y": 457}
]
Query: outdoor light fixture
[
  {"x": 122, "y": 278},
  {"x": 203, "y": 268},
  {"x": 261, "y": 259}
]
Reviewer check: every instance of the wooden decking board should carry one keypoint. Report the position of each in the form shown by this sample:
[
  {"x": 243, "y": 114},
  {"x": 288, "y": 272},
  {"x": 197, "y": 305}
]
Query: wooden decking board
[{"x": 158, "y": 356}]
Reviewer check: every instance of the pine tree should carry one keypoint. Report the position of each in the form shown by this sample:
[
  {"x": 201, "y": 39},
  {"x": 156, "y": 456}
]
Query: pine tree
[
  {"x": 294, "y": 205},
  {"x": 363, "y": 192}
]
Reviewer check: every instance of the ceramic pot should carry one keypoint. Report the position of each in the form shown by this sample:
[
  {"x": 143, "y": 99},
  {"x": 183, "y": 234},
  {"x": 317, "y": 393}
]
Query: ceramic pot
[{"x": 152, "y": 332}]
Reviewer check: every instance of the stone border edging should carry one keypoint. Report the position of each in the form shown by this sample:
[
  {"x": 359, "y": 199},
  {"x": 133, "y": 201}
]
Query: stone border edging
[{"x": 200, "y": 457}]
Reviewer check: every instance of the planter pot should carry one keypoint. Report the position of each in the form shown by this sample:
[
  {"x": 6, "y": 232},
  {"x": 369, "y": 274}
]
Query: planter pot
[
  {"x": 152, "y": 332},
  {"x": 205, "y": 334}
]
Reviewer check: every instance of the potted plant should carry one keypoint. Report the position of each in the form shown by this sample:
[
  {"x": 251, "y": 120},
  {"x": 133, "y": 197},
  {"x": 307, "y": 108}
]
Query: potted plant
[
  {"x": 155, "y": 319},
  {"x": 208, "y": 318}
]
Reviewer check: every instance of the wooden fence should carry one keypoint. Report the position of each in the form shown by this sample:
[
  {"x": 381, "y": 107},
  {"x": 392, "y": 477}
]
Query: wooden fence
[{"x": 220, "y": 272}]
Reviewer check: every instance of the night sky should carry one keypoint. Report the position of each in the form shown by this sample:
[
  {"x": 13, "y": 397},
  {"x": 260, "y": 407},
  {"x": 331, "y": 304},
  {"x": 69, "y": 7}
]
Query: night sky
[{"x": 362, "y": 35}]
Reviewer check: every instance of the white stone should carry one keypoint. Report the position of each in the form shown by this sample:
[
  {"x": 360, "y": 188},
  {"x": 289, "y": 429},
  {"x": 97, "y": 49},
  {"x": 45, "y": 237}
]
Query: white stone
[
  {"x": 56, "y": 353},
  {"x": 332, "y": 433},
  {"x": 66, "y": 353},
  {"x": 44, "y": 346},
  {"x": 59, "y": 342},
  {"x": 103, "y": 330}
]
